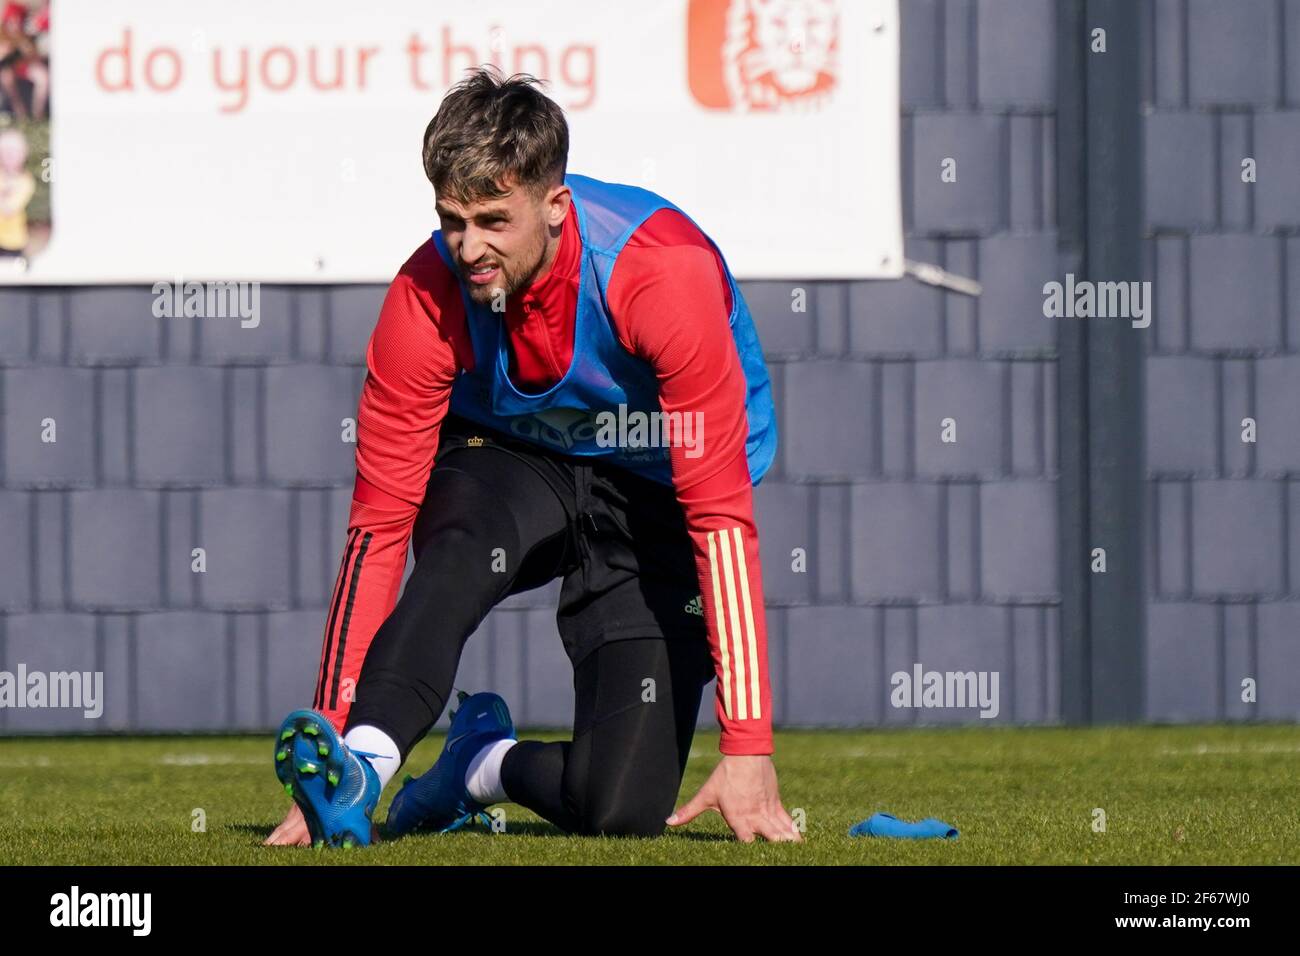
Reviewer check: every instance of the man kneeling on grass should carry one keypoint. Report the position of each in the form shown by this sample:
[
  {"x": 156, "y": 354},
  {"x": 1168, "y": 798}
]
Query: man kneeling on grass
[{"x": 546, "y": 307}]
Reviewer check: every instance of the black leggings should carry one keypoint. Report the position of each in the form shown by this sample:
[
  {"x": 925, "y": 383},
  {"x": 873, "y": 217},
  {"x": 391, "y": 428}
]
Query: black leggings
[
  {"x": 636, "y": 699},
  {"x": 636, "y": 705}
]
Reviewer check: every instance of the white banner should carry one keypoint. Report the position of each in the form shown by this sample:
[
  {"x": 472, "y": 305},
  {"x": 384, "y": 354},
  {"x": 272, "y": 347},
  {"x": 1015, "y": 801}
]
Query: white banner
[{"x": 280, "y": 141}]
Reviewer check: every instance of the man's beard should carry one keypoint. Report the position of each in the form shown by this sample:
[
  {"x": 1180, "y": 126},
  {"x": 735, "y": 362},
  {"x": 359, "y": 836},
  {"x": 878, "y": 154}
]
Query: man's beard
[{"x": 508, "y": 281}]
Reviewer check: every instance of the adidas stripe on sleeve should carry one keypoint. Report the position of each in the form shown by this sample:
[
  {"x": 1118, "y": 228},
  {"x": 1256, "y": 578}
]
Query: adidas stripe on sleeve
[
  {"x": 412, "y": 359},
  {"x": 669, "y": 300}
]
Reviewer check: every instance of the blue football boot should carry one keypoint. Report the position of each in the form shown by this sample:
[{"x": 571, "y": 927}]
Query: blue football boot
[
  {"x": 336, "y": 788},
  {"x": 439, "y": 800}
]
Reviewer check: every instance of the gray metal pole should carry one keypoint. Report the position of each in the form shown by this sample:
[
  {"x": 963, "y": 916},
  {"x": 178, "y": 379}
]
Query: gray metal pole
[
  {"x": 1102, "y": 488},
  {"x": 1117, "y": 605}
]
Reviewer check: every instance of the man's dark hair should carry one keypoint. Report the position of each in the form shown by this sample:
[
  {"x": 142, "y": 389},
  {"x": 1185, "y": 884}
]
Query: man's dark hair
[{"x": 490, "y": 131}]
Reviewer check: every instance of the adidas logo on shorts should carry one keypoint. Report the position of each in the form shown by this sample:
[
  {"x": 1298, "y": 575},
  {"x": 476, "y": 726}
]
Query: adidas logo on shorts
[{"x": 695, "y": 606}]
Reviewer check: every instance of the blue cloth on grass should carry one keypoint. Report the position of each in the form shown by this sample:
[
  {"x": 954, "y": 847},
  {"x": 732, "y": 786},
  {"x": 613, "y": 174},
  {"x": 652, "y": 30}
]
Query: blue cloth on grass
[{"x": 888, "y": 825}]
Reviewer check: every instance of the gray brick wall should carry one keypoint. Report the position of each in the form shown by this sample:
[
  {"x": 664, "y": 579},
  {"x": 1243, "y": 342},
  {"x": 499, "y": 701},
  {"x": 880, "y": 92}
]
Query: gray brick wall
[
  {"x": 1223, "y": 85},
  {"x": 177, "y": 432}
]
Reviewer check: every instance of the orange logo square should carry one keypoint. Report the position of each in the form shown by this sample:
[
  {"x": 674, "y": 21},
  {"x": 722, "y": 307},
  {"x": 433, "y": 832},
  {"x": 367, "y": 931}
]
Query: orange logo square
[{"x": 748, "y": 55}]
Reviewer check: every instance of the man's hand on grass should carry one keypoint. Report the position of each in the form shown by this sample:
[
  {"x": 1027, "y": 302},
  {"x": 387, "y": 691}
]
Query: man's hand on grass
[
  {"x": 744, "y": 790},
  {"x": 292, "y": 832}
]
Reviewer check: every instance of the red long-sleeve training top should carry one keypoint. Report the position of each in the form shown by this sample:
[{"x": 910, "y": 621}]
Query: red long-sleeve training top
[{"x": 669, "y": 301}]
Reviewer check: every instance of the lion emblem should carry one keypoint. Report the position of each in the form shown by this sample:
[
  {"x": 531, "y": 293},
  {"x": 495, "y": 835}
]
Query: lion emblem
[{"x": 780, "y": 54}]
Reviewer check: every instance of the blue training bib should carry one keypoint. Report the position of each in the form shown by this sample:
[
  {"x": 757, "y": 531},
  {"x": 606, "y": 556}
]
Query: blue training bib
[{"x": 606, "y": 388}]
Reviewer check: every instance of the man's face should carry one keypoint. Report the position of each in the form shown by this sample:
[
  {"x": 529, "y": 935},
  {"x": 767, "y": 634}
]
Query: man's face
[{"x": 500, "y": 245}]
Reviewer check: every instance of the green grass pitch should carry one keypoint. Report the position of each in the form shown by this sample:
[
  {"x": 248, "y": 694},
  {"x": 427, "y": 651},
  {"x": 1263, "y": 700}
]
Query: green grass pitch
[{"x": 1171, "y": 795}]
